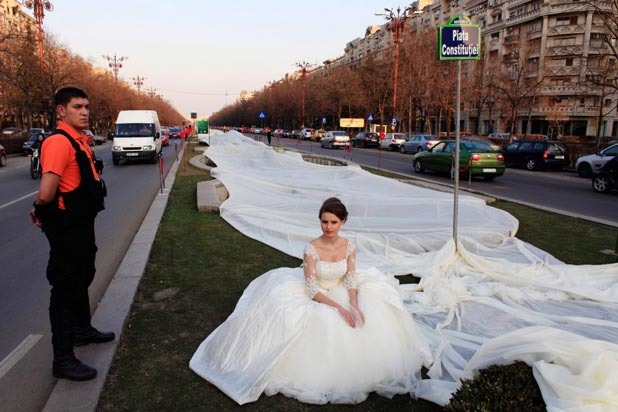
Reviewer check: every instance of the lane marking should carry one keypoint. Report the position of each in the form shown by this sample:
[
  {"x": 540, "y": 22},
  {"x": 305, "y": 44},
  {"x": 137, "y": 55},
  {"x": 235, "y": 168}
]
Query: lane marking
[
  {"x": 19, "y": 352},
  {"x": 19, "y": 200}
]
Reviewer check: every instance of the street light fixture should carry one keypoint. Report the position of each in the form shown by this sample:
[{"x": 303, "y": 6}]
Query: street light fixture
[
  {"x": 115, "y": 63},
  {"x": 39, "y": 7},
  {"x": 151, "y": 91},
  {"x": 397, "y": 20},
  {"x": 304, "y": 67},
  {"x": 138, "y": 82}
]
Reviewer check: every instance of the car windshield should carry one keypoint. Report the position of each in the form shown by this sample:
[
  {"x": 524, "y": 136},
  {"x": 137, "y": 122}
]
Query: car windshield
[
  {"x": 135, "y": 130},
  {"x": 339, "y": 134},
  {"x": 557, "y": 147}
]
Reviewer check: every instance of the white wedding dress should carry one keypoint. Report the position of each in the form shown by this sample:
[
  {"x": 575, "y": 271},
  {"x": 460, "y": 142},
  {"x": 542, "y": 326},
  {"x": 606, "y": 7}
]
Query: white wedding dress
[{"x": 279, "y": 340}]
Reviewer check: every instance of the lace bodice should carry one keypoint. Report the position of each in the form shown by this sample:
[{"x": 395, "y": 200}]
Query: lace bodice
[{"x": 326, "y": 275}]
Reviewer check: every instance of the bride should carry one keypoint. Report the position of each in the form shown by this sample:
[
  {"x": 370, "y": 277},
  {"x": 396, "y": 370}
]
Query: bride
[{"x": 324, "y": 333}]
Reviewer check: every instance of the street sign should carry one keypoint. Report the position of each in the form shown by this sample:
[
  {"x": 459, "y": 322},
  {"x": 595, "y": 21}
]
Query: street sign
[
  {"x": 193, "y": 115},
  {"x": 323, "y": 120},
  {"x": 261, "y": 114},
  {"x": 459, "y": 39},
  {"x": 394, "y": 121},
  {"x": 370, "y": 117}
]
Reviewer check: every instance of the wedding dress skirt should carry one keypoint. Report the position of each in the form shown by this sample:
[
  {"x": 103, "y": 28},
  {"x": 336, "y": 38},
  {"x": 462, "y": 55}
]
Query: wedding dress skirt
[{"x": 278, "y": 340}]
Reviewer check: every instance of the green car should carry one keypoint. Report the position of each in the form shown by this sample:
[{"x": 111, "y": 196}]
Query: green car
[{"x": 477, "y": 158}]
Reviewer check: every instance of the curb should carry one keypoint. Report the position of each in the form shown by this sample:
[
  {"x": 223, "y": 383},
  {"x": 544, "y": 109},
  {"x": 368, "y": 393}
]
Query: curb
[{"x": 112, "y": 311}]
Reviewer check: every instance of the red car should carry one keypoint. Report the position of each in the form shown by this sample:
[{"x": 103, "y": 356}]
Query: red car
[{"x": 165, "y": 137}]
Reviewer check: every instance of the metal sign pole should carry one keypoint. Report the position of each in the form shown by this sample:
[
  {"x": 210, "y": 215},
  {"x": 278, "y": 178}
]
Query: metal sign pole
[{"x": 456, "y": 161}]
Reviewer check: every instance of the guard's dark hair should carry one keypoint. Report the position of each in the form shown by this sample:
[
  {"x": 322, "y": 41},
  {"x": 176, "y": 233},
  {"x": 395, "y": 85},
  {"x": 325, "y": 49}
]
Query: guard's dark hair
[
  {"x": 64, "y": 95},
  {"x": 333, "y": 205}
]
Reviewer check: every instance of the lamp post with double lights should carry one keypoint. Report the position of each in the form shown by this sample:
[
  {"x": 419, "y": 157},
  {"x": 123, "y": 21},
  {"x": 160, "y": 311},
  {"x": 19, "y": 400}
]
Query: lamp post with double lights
[
  {"x": 152, "y": 92},
  {"x": 138, "y": 82},
  {"x": 39, "y": 7},
  {"x": 304, "y": 67},
  {"x": 397, "y": 20},
  {"x": 115, "y": 63}
]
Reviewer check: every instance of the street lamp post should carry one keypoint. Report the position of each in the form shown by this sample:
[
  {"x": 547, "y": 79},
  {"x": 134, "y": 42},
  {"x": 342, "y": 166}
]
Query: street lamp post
[
  {"x": 138, "y": 82},
  {"x": 152, "y": 92},
  {"x": 39, "y": 7},
  {"x": 397, "y": 20},
  {"x": 115, "y": 63},
  {"x": 304, "y": 67}
]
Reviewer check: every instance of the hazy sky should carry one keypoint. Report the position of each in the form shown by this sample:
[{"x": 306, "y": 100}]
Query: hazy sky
[{"x": 194, "y": 52}]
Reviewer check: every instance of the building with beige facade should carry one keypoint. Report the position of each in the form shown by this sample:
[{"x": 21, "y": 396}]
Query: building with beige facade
[
  {"x": 563, "y": 44},
  {"x": 13, "y": 19}
]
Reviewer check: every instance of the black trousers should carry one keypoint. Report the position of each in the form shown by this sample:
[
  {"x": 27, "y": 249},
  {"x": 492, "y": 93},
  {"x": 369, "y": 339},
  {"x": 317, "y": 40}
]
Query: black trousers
[{"x": 70, "y": 272}]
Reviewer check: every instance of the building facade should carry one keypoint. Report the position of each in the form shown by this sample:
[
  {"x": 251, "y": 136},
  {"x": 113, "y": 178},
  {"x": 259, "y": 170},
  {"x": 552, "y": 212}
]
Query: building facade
[{"x": 563, "y": 44}]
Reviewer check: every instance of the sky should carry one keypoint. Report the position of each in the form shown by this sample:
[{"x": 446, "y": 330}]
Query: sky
[{"x": 199, "y": 54}]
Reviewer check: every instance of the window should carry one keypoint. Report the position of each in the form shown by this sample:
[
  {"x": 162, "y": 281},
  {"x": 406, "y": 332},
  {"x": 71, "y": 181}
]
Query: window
[
  {"x": 582, "y": 101},
  {"x": 608, "y": 102},
  {"x": 566, "y": 21},
  {"x": 565, "y": 41},
  {"x": 568, "y": 62}
]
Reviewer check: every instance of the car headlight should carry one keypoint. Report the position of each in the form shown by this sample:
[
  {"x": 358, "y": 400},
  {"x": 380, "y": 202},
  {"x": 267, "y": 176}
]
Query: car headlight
[
  {"x": 116, "y": 148},
  {"x": 147, "y": 148}
]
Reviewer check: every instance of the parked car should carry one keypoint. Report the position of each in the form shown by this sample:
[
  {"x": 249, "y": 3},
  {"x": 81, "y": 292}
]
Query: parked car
[
  {"x": 474, "y": 157},
  {"x": 99, "y": 140},
  {"x": 606, "y": 178},
  {"x": 295, "y": 134},
  {"x": 2, "y": 156},
  {"x": 89, "y": 136},
  {"x": 10, "y": 131},
  {"x": 165, "y": 137},
  {"x": 587, "y": 165},
  {"x": 286, "y": 133},
  {"x": 335, "y": 139},
  {"x": 504, "y": 136},
  {"x": 29, "y": 145},
  {"x": 366, "y": 139},
  {"x": 494, "y": 146},
  {"x": 306, "y": 133},
  {"x": 418, "y": 143},
  {"x": 535, "y": 154},
  {"x": 392, "y": 141}
]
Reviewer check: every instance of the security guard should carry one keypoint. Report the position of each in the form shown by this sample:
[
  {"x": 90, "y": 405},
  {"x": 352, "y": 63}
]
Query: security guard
[{"x": 70, "y": 196}]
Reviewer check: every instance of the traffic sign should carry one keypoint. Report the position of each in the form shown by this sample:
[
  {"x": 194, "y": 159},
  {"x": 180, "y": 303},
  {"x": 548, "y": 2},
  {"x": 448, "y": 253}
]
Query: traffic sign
[
  {"x": 261, "y": 114},
  {"x": 370, "y": 117},
  {"x": 394, "y": 121},
  {"x": 323, "y": 120},
  {"x": 459, "y": 39}
]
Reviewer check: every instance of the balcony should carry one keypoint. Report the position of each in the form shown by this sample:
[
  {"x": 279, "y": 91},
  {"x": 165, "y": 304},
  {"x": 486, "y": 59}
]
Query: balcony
[
  {"x": 563, "y": 71},
  {"x": 523, "y": 16},
  {"x": 571, "y": 90},
  {"x": 565, "y": 51},
  {"x": 511, "y": 38},
  {"x": 566, "y": 29}
]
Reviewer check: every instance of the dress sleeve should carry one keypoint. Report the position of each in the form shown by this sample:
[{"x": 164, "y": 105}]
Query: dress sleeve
[
  {"x": 311, "y": 276},
  {"x": 350, "y": 279}
]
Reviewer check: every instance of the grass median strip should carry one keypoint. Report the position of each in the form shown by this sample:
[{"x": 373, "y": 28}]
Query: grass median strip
[{"x": 198, "y": 269}]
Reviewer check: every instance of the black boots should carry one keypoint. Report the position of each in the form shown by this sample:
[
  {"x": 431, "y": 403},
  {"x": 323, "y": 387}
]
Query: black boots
[
  {"x": 66, "y": 366},
  {"x": 84, "y": 336}
]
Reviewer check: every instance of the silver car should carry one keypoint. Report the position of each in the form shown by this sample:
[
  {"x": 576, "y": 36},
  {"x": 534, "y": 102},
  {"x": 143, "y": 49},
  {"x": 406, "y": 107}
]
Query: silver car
[
  {"x": 418, "y": 143},
  {"x": 392, "y": 141},
  {"x": 335, "y": 139},
  {"x": 587, "y": 165}
]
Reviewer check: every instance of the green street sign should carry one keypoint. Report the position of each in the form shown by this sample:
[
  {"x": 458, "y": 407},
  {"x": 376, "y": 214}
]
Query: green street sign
[{"x": 459, "y": 39}]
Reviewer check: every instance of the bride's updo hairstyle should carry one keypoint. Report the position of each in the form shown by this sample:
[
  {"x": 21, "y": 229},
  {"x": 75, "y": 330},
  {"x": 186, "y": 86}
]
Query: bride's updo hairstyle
[{"x": 333, "y": 205}]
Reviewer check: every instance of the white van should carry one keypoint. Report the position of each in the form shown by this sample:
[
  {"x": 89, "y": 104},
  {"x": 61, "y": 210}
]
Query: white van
[{"x": 137, "y": 136}]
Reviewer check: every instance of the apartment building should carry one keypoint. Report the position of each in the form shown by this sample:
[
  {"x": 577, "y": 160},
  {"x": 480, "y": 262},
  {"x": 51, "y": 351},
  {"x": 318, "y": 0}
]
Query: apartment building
[
  {"x": 13, "y": 19},
  {"x": 563, "y": 44}
]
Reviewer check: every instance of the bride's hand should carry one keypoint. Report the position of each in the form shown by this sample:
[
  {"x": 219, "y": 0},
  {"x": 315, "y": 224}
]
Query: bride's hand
[
  {"x": 358, "y": 316},
  {"x": 347, "y": 316}
]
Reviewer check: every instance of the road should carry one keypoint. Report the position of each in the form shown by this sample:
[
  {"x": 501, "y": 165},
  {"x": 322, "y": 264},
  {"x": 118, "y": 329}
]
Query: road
[
  {"x": 563, "y": 192},
  {"x": 25, "y": 346}
]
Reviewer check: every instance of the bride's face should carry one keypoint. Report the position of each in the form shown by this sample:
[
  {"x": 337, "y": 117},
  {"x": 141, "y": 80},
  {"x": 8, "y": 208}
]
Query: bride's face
[{"x": 330, "y": 224}]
